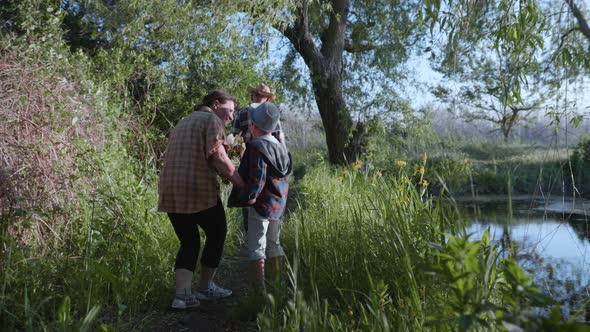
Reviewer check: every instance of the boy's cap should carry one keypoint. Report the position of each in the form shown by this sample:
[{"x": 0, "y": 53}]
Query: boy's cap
[{"x": 266, "y": 116}]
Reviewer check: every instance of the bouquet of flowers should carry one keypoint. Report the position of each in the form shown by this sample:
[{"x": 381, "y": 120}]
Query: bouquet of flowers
[{"x": 235, "y": 147}]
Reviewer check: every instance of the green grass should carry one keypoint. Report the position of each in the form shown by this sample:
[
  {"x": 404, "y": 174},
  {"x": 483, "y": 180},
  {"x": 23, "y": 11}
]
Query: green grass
[
  {"x": 109, "y": 248},
  {"x": 95, "y": 245},
  {"x": 361, "y": 243},
  {"x": 375, "y": 253}
]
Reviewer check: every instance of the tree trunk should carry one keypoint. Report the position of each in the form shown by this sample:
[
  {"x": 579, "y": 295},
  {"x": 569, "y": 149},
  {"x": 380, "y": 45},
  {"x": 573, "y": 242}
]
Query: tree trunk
[
  {"x": 346, "y": 142},
  {"x": 508, "y": 123},
  {"x": 345, "y": 145},
  {"x": 582, "y": 23},
  {"x": 336, "y": 120},
  {"x": 506, "y": 131}
]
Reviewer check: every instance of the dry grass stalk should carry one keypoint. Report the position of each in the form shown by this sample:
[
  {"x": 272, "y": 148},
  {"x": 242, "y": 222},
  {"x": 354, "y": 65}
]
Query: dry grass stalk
[{"x": 40, "y": 117}]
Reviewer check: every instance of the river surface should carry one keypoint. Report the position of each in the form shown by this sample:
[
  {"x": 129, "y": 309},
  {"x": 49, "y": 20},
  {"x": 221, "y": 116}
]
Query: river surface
[{"x": 551, "y": 236}]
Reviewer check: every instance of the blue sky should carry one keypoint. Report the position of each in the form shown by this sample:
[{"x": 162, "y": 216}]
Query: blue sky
[{"x": 424, "y": 76}]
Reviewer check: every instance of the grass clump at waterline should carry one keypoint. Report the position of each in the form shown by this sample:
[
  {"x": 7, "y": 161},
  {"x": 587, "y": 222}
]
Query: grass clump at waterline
[{"x": 370, "y": 252}]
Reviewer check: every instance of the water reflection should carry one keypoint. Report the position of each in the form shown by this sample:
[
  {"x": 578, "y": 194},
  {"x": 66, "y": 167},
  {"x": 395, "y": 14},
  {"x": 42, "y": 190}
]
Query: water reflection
[{"x": 551, "y": 237}]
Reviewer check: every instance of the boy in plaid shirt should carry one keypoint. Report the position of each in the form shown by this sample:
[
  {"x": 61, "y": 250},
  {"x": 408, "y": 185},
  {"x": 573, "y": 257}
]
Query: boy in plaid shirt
[
  {"x": 241, "y": 125},
  {"x": 265, "y": 165}
]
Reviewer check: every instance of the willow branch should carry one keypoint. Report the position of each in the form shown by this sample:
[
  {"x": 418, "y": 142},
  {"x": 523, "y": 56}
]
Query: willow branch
[{"x": 583, "y": 24}]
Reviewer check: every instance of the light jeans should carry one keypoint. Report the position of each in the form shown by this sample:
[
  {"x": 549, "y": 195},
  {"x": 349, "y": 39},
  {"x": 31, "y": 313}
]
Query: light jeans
[{"x": 263, "y": 237}]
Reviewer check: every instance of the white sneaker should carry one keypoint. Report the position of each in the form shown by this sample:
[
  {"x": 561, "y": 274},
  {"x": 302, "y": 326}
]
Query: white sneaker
[
  {"x": 185, "y": 302},
  {"x": 213, "y": 292}
]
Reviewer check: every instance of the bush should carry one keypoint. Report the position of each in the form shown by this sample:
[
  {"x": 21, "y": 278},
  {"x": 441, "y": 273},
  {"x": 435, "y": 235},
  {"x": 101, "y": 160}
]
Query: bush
[
  {"x": 455, "y": 175},
  {"x": 78, "y": 214}
]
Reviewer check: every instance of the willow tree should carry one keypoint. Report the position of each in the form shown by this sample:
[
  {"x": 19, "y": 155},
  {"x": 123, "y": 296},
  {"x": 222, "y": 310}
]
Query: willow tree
[
  {"x": 550, "y": 41},
  {"x": 571, "y": 38},
  {"x": 353, "y": 51},
  {"x": 493, "y": 51}
]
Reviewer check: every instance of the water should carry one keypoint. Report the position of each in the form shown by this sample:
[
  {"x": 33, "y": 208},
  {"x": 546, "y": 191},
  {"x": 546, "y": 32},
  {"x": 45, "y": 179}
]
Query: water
[{"x": 551, "y": 237}]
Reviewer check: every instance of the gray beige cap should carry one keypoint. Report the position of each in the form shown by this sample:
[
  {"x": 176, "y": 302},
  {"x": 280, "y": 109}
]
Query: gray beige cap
[{"x": 266, "y": 116}]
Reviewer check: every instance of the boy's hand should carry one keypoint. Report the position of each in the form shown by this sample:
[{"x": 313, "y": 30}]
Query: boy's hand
[{"x": 251, "y": 202}]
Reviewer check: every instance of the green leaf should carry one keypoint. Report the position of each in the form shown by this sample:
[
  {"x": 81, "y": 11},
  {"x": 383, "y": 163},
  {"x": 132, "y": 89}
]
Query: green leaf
[{"x": 63, "y": 314}]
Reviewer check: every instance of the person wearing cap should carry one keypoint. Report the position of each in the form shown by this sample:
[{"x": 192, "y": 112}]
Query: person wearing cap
[
  {"x": 189, "y": 193},
  {"x": 265, "y": 165},
  {"x": 241, "y": 124}
]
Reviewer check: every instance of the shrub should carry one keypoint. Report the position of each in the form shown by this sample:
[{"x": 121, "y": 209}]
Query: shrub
[{"x": 78, "y": 216}]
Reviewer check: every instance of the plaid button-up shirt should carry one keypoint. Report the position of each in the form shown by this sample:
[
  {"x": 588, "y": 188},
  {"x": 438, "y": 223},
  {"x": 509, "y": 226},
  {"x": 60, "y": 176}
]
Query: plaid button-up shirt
[
  {"x": 269, "y": 190},
  {"x": 241, "y": 124},
  {"x": 188, "y": 181}
]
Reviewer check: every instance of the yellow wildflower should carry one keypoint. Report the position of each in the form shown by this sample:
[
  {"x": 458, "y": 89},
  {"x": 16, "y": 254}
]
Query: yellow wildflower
[
  {"x": 400, "y": 163},
  {"x": 424, "y": 183},
  {"x": 357, "y": 165},
  {"x": 378, "y": 174},
  {"x": 421, "y": 170},
  {"x": 424, "y": 157}
]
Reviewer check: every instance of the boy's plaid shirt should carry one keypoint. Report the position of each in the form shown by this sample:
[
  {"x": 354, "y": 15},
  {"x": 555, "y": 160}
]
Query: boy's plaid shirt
[{"x": 263, "y": 184}]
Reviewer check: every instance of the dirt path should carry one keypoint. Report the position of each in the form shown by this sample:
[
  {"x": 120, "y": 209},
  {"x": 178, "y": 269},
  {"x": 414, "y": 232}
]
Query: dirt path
[{"x": 228, "y": 315}]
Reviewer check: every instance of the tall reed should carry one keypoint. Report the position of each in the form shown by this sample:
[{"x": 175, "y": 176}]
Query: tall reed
[
  {"x": 361, "y": 240},
  {"x": 375, "y": 253}
]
